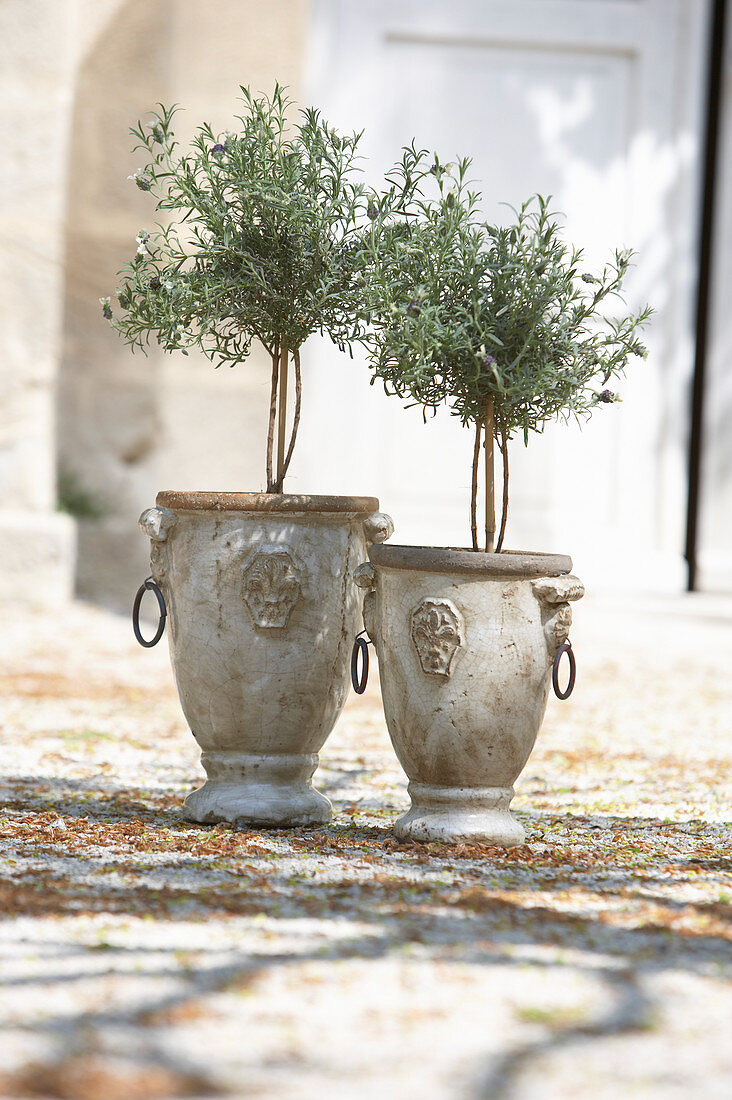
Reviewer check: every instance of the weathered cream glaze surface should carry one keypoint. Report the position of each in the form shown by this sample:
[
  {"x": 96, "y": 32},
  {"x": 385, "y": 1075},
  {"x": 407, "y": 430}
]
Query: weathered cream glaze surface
[
  {"x": 262, "y": 611},
  {"x": 465, "y": 645}
]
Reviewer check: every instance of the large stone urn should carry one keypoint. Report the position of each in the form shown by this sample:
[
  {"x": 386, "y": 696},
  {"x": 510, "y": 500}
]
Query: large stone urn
[
  {"x": 466, "y": 643},
  {"x": 262, "y": 609}
]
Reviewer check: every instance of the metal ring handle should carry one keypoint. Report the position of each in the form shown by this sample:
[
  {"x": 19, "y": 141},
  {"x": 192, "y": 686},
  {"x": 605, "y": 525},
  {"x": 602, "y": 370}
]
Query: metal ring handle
[
  {"x": 149, "y": 586},
  {"x": 361, "y": 646},
  {"x": 566, "y": 647}
]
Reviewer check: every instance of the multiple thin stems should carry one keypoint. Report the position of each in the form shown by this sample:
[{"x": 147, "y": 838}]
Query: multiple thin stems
[
  {"x": 504, "y": 501},
  {"x": 278, "y": 416},
  {"x": 487, "y": 431},
  {"x": 474, "y": 485}
]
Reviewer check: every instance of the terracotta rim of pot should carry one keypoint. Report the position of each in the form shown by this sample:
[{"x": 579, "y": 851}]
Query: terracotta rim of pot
[
  {"x": 262, "y": 502},
  {"x": 438, "y": 559}
]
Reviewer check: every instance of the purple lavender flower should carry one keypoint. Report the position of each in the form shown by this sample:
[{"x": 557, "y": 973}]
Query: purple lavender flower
[
  {"x": 605, "y": 397},
  {"x": 414, "y": 308},
  {"x": 218, "y": 149},
  {"x": 487, "y": 362},
  {"x": 372, "y": 210},
  {"x": 143, "y": 182}
]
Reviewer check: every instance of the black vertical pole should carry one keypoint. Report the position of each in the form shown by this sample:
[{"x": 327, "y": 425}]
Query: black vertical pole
[{"x": 711, "y": 146}]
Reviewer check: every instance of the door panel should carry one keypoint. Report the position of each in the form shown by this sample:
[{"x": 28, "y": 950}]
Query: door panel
[{"x": 598, "y": 104}]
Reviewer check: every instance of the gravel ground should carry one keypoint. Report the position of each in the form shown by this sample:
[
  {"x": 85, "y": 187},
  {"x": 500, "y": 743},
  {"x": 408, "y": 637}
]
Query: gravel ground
[{"x": 144, "y": 957}]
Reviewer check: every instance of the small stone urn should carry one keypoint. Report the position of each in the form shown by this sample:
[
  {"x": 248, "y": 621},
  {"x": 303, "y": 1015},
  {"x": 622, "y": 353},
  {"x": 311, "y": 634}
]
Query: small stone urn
[
  {"x": 262, "y": 609},
  {"x": 465, "y": 643}
]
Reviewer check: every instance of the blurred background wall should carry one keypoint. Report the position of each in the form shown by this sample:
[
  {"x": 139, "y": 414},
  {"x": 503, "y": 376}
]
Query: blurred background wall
[{"x": 597, "y": 102}]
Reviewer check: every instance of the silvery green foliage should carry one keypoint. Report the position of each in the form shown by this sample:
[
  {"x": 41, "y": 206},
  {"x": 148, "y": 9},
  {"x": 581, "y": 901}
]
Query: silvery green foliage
[
  {"x": 463, "y": 311},
  {"x": 262, "y": 243}
]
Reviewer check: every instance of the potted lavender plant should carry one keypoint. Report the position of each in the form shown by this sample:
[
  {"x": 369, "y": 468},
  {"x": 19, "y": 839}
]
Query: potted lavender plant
[
  {"x": 505, "y": 326},
  {"x": 260, "y": 243}
]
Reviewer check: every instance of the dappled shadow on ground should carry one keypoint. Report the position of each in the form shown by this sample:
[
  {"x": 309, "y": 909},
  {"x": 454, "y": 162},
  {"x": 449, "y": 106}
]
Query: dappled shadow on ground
[
  {"x": 631, "y": 1010},
  {"x": 94, "y": 799},
  {"x": 126, "y": 933},
  {"x": 86, "y": 1071},
  {"x": 619, "y": 898},
  {"x": 601, "y": 891},
  {"x": 99, "y": 850},
  {"x": 401, "y": 908},
  {"x": 463, "y": 921},
  {"x": 126, "y": 852}
]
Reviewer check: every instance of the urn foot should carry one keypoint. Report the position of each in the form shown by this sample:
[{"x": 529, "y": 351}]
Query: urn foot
[
  {"x": 460, "y": 814},
  {"x": 269, "y": 791}
]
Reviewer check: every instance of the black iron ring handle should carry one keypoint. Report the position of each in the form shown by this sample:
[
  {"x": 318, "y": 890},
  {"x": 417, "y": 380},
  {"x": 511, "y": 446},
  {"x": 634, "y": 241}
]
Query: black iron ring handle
[
  {"x": 361, "y": 645},
  {"x": 149, "y": 586},
  {"x": 566, "y": 647}
]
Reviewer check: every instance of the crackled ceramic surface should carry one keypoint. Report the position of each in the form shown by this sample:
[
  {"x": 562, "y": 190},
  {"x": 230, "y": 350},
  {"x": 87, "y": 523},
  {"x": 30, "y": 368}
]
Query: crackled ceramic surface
[
  {"x": 262, "y": 611},
  {"x": 465, "y": 645}
]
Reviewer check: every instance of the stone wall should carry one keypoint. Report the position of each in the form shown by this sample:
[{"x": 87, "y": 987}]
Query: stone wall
[
  {"x": 130, "y": 424},
  {"x": 36, "y": 544}
]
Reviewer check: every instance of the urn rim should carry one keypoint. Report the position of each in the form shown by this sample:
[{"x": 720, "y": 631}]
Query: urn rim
[
  {"x": 282, "y": 503},
  {"x": 443, "y": 559}
]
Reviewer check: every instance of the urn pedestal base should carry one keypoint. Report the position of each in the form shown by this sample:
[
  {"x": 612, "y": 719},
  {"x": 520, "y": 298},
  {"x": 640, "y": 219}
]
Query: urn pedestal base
[
  {"x": 261, "y": 790},
  {"x": 460, "y": 815}
]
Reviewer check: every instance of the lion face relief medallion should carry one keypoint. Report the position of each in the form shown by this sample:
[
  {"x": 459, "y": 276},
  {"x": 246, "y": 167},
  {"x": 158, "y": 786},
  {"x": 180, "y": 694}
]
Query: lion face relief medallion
[
  {"x": 437, "y": 633},
  {"x": 271, "y": 586}
]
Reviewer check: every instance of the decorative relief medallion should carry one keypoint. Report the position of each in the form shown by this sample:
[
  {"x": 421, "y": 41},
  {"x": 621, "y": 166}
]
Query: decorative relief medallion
[
  {"x": 437, "y": 633},
  {"x": 271, "y": 586}
]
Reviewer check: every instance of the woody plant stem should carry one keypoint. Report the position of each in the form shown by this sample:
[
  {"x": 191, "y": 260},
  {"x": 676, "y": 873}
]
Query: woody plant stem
[
  {"x": 487, "y": 429},
  {"x": 278, "y": 416}
]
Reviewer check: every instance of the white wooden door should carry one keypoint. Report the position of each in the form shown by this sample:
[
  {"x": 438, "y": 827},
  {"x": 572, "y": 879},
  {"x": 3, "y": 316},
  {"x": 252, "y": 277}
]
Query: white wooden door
[{"x": 598, "y": 103}]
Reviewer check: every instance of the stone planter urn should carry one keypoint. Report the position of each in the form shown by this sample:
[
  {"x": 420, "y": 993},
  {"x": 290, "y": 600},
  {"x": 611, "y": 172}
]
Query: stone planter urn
[
  {"x": 466, "y": 643},
  {"x": 261, "y": 611}
]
